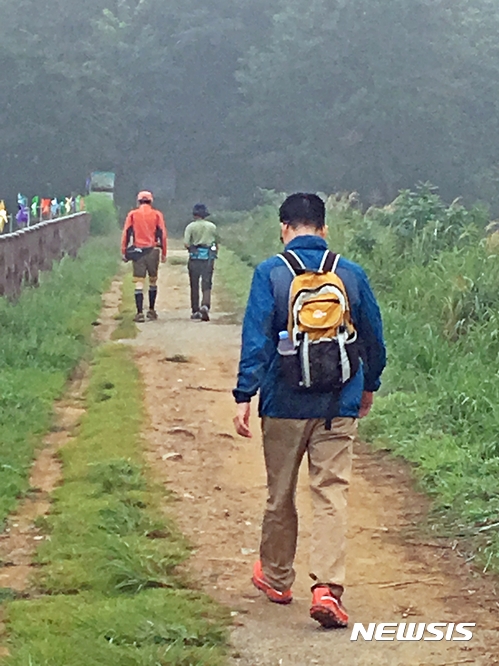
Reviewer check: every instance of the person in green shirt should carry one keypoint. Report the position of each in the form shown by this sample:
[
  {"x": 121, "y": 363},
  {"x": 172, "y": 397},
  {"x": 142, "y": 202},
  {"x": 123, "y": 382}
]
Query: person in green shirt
[{"x": 201, "y": 240}]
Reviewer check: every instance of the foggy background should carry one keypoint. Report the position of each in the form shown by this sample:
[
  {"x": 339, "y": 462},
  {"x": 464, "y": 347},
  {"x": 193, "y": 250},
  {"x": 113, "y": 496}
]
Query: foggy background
[{"x": 208, "y": 100}]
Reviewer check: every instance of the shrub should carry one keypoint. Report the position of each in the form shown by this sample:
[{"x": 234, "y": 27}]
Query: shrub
[{"x": 424, "y": 225}]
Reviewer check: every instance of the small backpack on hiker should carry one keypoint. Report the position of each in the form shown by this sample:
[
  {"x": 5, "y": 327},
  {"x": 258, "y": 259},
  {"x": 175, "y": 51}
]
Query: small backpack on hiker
[{"x": 323, "y": 351}]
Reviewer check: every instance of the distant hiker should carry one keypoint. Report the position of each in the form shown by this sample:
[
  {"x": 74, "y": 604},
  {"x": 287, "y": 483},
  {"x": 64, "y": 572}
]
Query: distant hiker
[
  {"x": 144, "y": 240},
  {"x": 312, "y": 344},
  {"x": 201, "y": 239}
]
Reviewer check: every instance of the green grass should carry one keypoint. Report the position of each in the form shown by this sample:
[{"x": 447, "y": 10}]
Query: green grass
[
  {"x": 104, "y": 214},
  {"x": 438, "y": 284},
  {"x": 235, "y": 276},
  {"x": 109, "y": 568},
  {"x": 126, "y": 328},
  {"x": 147, "y": 630},
  {"x": 43, "y": 336},
  {"x": 255, "y": 237}
]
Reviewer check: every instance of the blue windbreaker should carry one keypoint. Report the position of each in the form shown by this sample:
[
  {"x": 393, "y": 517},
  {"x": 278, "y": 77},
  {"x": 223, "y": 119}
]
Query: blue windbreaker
[{"x": 267, "y": 314}]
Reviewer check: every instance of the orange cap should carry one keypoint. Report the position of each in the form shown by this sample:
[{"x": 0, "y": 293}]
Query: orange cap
[{"x": 145, "y": 196}]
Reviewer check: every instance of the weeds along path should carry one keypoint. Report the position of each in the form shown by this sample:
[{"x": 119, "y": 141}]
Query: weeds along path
[
  {"x": 395, "y": 574},
  {"x": 19, "y": 540},
  {"x": 22, "y": 534}
]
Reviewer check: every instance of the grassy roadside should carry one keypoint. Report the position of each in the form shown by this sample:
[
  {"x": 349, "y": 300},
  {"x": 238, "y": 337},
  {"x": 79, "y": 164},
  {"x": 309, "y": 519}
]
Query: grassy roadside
[
  {"x": 112, "y": 595},
  {"x": 126, "y": 328},
  {"x": 43, "y": 336},
  {"x": 235, "y": 276}
]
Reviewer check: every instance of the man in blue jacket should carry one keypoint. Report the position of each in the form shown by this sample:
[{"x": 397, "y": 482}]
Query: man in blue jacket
[{"x": 294, "y": 421}]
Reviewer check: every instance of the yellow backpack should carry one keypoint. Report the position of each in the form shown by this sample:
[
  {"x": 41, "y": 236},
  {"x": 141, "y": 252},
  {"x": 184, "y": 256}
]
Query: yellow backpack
[{"x": 325, "y": 351}]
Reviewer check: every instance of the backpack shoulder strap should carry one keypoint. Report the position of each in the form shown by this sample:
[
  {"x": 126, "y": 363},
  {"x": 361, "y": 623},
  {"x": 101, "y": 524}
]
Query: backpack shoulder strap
[
  {"x": 329, "y": 262},
  {"x": 293, "y": 262}
]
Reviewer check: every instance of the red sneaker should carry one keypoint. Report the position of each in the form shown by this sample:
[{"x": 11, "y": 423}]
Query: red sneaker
[
  {"x": 260, "y": 582},
  {"x": 328, "y": 609}
]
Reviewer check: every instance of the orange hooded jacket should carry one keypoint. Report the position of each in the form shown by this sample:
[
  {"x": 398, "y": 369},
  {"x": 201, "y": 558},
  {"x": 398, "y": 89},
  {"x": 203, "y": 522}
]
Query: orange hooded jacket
[{"x": 145, "y": 227}]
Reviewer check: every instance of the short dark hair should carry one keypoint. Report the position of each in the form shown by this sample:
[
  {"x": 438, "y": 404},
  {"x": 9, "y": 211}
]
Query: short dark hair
[{"x": 303, "y": 209}]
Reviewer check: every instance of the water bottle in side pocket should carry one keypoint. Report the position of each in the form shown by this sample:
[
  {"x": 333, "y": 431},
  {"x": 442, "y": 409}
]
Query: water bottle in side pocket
[
  {"x": 285, "y": 346},
  {"x": 290, "y": 367}
]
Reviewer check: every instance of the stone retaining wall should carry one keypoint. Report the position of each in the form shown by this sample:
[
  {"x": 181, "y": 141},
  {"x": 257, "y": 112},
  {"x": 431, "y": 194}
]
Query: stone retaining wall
[{"x": 23, "y": 254}]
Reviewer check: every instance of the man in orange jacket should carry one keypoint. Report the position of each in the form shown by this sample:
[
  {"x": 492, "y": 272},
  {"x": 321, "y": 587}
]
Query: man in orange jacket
[{"x": 144, "y": 239}]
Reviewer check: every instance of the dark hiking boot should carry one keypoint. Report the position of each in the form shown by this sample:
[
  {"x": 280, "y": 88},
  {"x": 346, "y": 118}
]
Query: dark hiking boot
[
  {"x": 196, "y": 316},
  {"x": 205, "y": 313},
  {"x": 152, "y": 315},
  {"x": 139, "y": 318}
]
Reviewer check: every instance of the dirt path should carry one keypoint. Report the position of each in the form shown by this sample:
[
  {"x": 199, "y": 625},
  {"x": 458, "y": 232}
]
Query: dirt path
[{"x": 220, "y": 485}]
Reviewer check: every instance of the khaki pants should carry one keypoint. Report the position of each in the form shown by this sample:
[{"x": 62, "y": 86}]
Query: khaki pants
[{"x": 285, "y": 441}]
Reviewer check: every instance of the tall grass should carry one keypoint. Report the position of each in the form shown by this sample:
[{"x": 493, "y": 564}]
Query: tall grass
[
  {"x": 43, "y": 336},
  {"x": 437, "y": 281},
  {"x": 255, "y": 237}
]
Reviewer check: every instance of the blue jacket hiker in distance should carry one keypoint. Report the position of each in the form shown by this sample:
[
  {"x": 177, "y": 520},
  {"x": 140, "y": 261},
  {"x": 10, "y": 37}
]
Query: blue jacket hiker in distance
[{"x": 267, "y": 314}]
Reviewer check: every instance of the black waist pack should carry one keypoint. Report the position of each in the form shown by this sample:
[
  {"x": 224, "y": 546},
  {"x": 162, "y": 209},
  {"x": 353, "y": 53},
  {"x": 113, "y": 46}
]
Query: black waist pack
[{"x": 133, "y": 253}]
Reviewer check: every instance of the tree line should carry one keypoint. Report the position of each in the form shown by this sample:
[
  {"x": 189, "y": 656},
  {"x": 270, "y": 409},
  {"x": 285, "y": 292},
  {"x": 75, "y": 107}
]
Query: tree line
[{"x": 365, "y": 95}]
